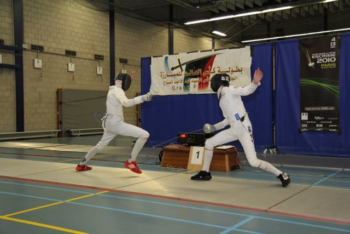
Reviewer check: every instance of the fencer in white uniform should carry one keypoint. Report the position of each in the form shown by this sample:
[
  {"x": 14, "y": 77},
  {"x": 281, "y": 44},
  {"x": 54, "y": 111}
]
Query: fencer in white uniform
[
  {"x": 240, "y": 127},
  {"x": 113, "y": 123}
]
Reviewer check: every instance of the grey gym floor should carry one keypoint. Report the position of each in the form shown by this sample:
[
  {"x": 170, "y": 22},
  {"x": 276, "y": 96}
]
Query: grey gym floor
[{"x": 40, "y": 192}]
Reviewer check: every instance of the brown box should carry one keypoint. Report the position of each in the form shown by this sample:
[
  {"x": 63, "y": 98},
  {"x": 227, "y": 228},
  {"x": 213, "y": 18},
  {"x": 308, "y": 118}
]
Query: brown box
[{"x": 178, "y": 155}]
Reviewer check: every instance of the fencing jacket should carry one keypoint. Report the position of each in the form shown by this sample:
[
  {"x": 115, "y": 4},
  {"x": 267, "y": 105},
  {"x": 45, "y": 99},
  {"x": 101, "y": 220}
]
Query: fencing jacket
[
  {"x": 231, "y": 104},
  {"x": 116, "y": 99}
]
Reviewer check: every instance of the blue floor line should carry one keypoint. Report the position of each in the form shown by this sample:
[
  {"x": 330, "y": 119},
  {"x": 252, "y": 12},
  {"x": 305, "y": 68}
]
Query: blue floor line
[
  {"x": 45, "y": 187},
  {"x": 118, "y": 210},
  {"x": 234, "y": 228},
  {"x": 233, "y": 213},
  {"x": 332, "y": 186},
  {"x": 30, "y": 196},
  {"x": 149, "y": 215},
  {"x": 341, "y": 180},
  {"x": 320, "y": 181},
  {"x": 189, "y": 207},
  {"x": 306, "y": 224}
]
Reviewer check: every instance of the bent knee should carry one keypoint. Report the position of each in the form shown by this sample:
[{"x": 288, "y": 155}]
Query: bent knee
[
  {"x": 209, "y": 145},
  {"x": 145, "y": 135}
]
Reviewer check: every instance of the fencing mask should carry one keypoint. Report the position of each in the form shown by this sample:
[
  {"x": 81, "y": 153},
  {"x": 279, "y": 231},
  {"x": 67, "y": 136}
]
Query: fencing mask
[
  {"x": 219, "y": 79},
  {"x": 126, "y": 80}
]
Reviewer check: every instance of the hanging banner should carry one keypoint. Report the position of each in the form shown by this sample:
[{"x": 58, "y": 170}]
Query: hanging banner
[
  {"x": 191, "y": 73},
  {"x": 319, "y": 83}
]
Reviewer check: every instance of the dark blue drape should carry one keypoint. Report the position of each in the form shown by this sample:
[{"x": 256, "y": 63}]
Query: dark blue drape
[
  {"x": 288, "y": 139},
  {"x": 165, "y": 116},
  {"x": 259, "y": 104}
]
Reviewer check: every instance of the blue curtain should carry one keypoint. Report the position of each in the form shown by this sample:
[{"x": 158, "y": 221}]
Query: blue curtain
[
  {"x": 166, "y": 116},
  {"x": 288, "y": 139},
  {"x": 259, "y": 105}
]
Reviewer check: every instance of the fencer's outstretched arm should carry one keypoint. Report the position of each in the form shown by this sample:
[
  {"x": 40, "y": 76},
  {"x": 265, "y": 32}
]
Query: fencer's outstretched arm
[
  {"x": 208, "y": 128},
  {"x": 221, "y": 124},
  {"x": 131, "y": 102},
  {"x": 244, "y": 91}
]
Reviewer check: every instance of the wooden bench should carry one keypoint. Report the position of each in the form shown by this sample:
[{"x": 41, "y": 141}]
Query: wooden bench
[{"x": 178, "y": 155}]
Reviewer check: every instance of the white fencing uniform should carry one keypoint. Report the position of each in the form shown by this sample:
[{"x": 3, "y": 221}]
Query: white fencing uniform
[
  {"x": 233, "y": 110},
  {"x": 113, "y": 123}
]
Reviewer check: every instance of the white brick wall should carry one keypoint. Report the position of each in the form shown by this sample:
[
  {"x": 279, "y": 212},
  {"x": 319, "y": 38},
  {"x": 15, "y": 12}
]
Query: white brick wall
[
  {"x": 7, "y": 85},
  {"x": 221, "y": 44},
  {"x": 58, "y": 26},
  {"x": 7, "y": 101},
  {"x": 6, "y": 22},
  {"x": 61, "y": 25},
  {"x": 185, "y": 43},
  {"x": 136, "y": 39}
]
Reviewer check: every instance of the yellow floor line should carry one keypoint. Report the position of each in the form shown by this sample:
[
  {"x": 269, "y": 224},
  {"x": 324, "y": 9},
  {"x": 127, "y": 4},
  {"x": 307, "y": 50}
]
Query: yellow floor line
[
  {"x": 7, "y": 217},
  {"x": 32, "y": 209},
  {"x": 90, "y": 195},
  {"x": 54, "y": 204},
  {"x": 42, "y": 225}
]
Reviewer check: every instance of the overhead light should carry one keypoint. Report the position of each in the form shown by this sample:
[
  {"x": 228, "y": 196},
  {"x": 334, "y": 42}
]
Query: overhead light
[
  {"x": 246, "y": 14},
  {"x": 219, "y": 33},
  {"x": 221, "y": 18},
  {"x": 197, "y": 21},
  {"x": 297, "y": 35},
  {"x": 256, "y": 12},
  {"x": 237, "y": 15},
  {"x": 277, "y": 9},
  {"x": 209, "y": 20}
]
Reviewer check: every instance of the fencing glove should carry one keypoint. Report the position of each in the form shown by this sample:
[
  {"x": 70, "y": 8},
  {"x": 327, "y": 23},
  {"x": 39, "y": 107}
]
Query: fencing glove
[
  {"x": 147, "y": 97},
  {"x": 208, "y": 128}
]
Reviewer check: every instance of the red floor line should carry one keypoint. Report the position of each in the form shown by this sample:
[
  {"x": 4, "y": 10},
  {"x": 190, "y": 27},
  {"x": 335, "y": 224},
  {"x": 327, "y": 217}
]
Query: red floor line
[
  {"x": 180, "y": 199},
  {"x": 307, "y": 217}
]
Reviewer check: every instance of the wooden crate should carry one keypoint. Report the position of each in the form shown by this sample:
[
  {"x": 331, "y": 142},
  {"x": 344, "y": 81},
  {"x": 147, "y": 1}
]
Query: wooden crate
[
  {"x": 175, "y": 156},
  {"x": 178, "y": 155}
]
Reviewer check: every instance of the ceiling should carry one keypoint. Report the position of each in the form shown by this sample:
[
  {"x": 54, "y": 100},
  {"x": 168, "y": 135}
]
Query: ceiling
[{"x": 305, "y": 16}]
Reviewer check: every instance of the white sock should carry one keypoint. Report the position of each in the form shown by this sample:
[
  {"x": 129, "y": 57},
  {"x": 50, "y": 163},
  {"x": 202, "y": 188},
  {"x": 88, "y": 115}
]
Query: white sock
[
  {"x": 137, "y": 148},
  {"x": 268, "y": 167},
  {"x": 207, "y": 160},
  {"x": 89, "y": 155}
]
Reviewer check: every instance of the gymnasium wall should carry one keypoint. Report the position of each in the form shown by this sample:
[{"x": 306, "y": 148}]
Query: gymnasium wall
[
  {"x": 60, "y": 25},
  {"x": 7, "y": 76},
  {"x": 184, "y": 43}
]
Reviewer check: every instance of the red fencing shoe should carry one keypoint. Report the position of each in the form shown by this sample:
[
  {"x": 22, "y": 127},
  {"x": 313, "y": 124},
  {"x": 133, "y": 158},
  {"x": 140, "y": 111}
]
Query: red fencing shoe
[
  {"x": 133, "y": 167},
  {"x": 83, "y": 168}
]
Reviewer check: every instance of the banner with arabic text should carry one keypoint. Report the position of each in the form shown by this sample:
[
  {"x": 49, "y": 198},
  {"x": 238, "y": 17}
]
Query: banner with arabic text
[
  {"x": 191, "y": 73},
  {"x": 319, "y": 83}
]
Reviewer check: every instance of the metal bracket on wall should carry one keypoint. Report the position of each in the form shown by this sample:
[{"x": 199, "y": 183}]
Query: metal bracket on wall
[
  {"x": 10, "y": 48},
  {"x": 10, "y": 66}
]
